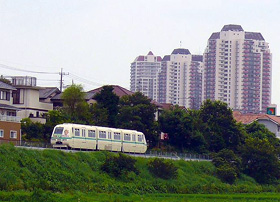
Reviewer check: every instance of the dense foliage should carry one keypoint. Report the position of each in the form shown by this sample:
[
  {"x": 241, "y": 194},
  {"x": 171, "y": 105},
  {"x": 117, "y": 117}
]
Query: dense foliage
[
  {"x": 119, "y": 166},
  {"x": 211, "y": 130},
  {"x": 228, "y": 165},
  {"x": 162, "y": 168},
  {"x": 59, "y": 171}
]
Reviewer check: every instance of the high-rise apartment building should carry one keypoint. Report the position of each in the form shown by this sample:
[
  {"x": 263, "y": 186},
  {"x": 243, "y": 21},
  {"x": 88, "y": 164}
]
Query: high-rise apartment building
[
  {"x": 237, "y": 69},
  {"x": 144, "y": 75},
  {"x": 180, "y": 79}
]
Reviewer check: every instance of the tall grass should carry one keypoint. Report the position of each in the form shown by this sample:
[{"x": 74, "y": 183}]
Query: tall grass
[{"x": 58, "y": 171}]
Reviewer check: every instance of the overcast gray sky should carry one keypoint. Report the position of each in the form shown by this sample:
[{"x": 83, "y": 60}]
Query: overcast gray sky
[{"x": 98, "y": 39}]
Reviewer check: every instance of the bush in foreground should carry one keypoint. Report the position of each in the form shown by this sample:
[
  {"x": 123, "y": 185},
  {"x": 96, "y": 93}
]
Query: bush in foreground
[
  {"x": 119, "y": 165},
  {"x": 162, "y": 168}
]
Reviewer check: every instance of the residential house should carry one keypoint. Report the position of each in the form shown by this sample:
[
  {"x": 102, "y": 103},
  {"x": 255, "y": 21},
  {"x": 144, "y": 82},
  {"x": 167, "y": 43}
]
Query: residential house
[
  {"x": 26, "y": 97},
  {"x": 272, "y": 123},
  {"x": 10, "y": 127}
]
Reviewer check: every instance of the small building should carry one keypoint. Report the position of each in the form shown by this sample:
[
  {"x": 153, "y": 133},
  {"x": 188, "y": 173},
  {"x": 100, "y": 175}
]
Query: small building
[
  {"x": 10, "y": 127},
  {"x": 26, "y": 97},
  {"x": 272, "y": 123}
]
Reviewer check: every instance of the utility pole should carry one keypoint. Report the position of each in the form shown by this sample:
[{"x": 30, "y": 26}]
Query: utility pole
[{"x": 61, "y": 75}]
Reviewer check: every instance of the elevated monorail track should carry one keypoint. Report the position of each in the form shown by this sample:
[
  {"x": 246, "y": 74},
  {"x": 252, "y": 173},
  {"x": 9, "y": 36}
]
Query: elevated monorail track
[{"x": 148, "y": 154}]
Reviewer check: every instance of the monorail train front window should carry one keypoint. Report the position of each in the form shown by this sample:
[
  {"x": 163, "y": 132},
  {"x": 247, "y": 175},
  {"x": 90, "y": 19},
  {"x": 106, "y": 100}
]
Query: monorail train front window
[
  {"x": 58, "y": 131},
  {"x": 140, "y": 138}
]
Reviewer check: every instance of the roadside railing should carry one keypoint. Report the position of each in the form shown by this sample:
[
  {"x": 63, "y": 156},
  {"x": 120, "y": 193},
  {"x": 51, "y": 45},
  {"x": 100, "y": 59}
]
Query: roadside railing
[{"x": 148, "y": 154}]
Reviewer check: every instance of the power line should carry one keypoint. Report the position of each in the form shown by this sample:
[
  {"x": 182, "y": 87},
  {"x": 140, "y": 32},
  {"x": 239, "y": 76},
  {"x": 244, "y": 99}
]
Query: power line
[
  {"x": 24, "y": 70},
  {"x": 84, "y": 80},
  {"x": 71, "y": 75}
]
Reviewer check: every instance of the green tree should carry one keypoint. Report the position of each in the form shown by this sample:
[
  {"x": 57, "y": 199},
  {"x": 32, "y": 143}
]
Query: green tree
[
  {"x": 108, "y": 100},
  {"x": 260, "y": 160},
  {"x": 173, "y": 122},
  {"x": 138, "y": 113},
  {"x": 32, "y": 131},
  {"x": 184, "y": 128},
  {"x": 73, "y": 98},
  {"x": 228, "y": 165},
  {"x": 98, "y": 116},
  {"x": 257, "y": 130},
  {"x": 222, "y": 130}
]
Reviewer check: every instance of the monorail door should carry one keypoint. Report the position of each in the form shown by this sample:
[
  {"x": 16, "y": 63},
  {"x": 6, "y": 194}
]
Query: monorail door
[
  {"x": 109, "y": 146},
  {"x": 83, "y": 139}
]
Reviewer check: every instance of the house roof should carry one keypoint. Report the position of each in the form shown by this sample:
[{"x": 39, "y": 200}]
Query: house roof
[
  {"x": 4, "y": 106},
  {"x": 47, "y": 92},
  {"x": 249, "y": 118},
  {"x": 6, "y": 86},
  {"x": 118, "y": 90}
]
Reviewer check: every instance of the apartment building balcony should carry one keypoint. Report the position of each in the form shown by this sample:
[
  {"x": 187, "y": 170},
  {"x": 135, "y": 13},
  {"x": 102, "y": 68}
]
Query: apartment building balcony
[{"x": 10, "y": 118}]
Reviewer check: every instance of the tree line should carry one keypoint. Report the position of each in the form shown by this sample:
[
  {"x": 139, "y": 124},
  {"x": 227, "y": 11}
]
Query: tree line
[{"x": 236, "y": 148}]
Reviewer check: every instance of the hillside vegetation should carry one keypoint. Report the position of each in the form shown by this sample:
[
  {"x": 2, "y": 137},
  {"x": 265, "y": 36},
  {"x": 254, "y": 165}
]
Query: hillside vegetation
[{"x": 58, "y": 171}]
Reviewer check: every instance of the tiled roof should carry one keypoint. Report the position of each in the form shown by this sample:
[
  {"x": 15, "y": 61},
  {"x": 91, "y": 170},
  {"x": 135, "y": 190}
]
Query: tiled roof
[
  {"x": 118, "y": 90},
  {"x": 4, "y": 106},
  {"x": 182, "y": 51},
  {"x": 168, "y": 106},
  {"x": 6, "y": 86},
  {"x": 88, "y": 96},
  {"x": 48, "y": 91},
  {"x": 249, "y": 118},
  {"x": 57, "y": 97},
  {"x": 232, "y": 28},
  {"x": 254, "y": 35}
]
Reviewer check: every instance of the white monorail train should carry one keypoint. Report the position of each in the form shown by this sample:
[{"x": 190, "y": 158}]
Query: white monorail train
[{"x": 98, "y": 138}]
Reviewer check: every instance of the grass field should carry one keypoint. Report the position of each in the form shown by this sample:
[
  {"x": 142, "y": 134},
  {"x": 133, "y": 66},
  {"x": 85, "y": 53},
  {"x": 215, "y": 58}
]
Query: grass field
[{"x": 89, "y": 197}]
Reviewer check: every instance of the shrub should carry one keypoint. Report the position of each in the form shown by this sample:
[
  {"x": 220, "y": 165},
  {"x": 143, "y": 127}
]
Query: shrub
[
  {"x": 228, "y": 165},
  {"x": 119, "y": 165},
  {"x": 162, "y": 168}
]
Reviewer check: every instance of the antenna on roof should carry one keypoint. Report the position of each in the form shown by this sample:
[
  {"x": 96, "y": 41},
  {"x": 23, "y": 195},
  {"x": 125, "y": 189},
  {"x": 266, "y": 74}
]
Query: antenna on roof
[{"x": 180, "y": 44}]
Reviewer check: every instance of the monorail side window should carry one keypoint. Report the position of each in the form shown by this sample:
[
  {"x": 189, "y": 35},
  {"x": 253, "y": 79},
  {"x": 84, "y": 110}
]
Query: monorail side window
[
  {"x": 140, "y": 138},
  {"x": 102, "y": 134},
  {"x": 117, "y": 136},
  {"x": 127, "y": 137},
  {"x": 77, "y": 132},
  {"x": 133, "y": 138},
  {"x": 91, "y": 133},
  {"x": 110, "y": 135}
]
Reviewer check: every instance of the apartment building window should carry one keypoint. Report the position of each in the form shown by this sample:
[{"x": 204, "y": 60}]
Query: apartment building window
[
  {"x": 13, "y": 134},
  {"x": 1, "y": 133}
]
